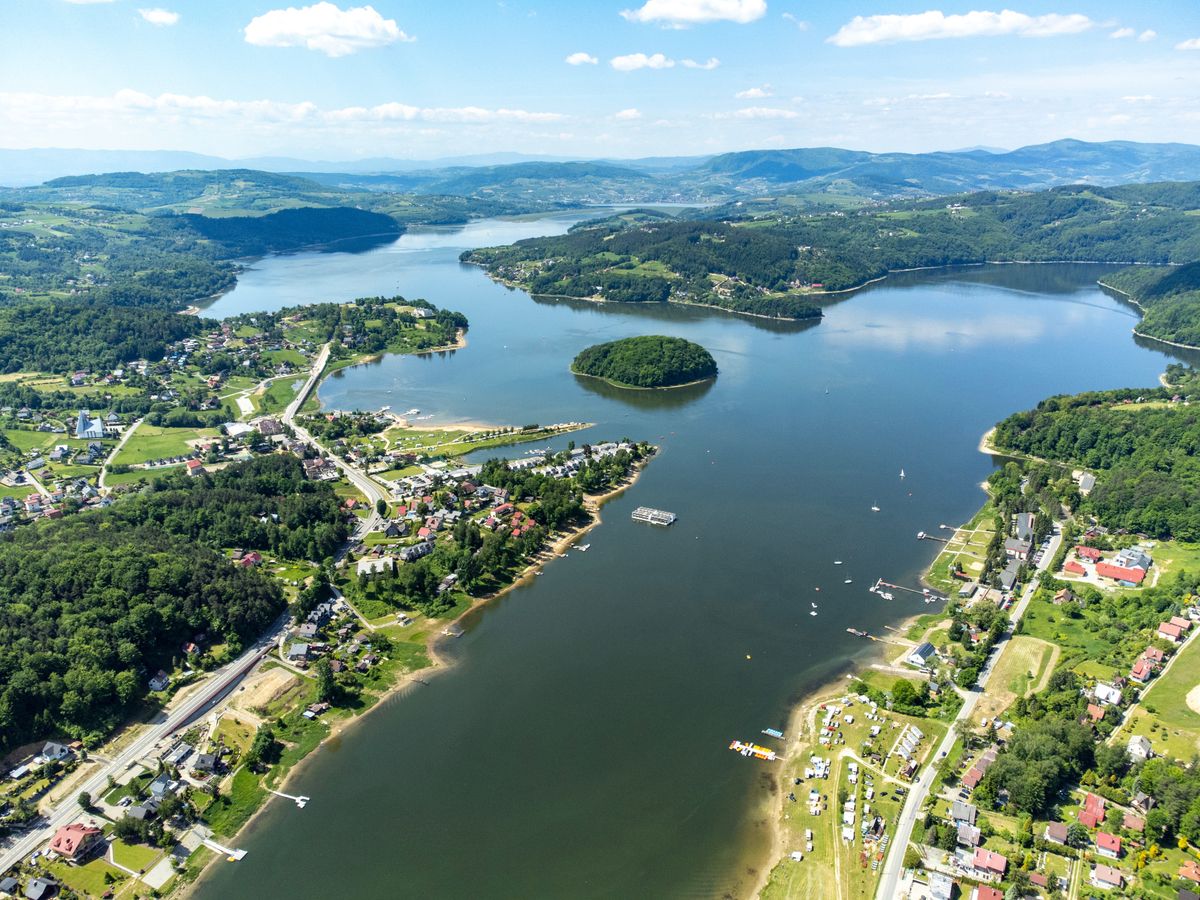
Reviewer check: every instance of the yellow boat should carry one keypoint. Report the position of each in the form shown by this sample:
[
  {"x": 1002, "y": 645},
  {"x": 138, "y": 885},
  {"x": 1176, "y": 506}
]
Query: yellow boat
[{"x": 755, "y": 750}]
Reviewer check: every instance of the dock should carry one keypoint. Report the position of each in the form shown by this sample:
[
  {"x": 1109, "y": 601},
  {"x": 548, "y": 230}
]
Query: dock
[
  {"x": 300, "y": 801},
  {"x": 653, "y": 516},
  {"x": 229, "y": 853}
]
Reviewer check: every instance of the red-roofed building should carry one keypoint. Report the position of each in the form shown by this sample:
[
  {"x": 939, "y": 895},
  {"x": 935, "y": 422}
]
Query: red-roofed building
[
  {"x": 1108, "y": 845},
  {"x": 1120, "y": 573},
  {"x": 1153, "y": 654},
  {"x": 74, "y": 841},
  {"x": 1190, "y": 870},
  {"x": 983, "y": 892},
  {"x": 1092, "y": 813},
  {"x": 1184, "y": 624},
  {"x": 1169, "y": 632},
  {"x": 971, "y": 779},
  {"x": 1095, "y": 713},
  {"x": 423, "y": 532},
  {"x": 1074, "y": 568},
  {"x": 1089, "y": 553},
  {"x": 253, "y": 558},
  {"x": 989, "y": 865},
  {"x": 1135, "y": 823},
  {"x": 1142, "y": 671}
]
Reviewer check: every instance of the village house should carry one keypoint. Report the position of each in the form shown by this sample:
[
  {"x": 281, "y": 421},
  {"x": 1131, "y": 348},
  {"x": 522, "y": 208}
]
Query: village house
[
  {"x": 1056, "y": 833},
  {"x": 75, "y": 841},
  {"x": 40, "y": 888},
  {"x": 159, "y": 681},
  {"x": 375, "y": 566},
  {"x": 1106, "y": 877},
  {"x": 1091, "y": 554},
  {"x": 1092, "y": 813},
  {"x": 1108, "y": 845},
  {"x": 1139, "y": 748},
  {"x": 988, "y": 865},
  {"x": 1074, "y": 568},
  {"x": 1170, "y": 632},
  {"x": 1106, "y": 694},
  {"x": 1123, "y": 575},
  {"x": 920, "y": 656},
  {"x": 984, "y": 892}
]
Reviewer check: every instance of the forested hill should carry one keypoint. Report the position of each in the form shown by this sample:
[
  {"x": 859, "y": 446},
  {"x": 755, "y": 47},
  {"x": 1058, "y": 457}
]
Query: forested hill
[
  {"x": 779, "y": 263},
  {"x": 288, "y": 229},
  {"x": 647, "y": 361},
  {"x": 1169, "y": 298},
  {"x": 95, "y": 603},
  {"x": 1140, "y": 444}
]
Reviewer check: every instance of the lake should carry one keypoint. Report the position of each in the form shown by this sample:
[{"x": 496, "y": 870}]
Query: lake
[{"x": 578, "y": 746}]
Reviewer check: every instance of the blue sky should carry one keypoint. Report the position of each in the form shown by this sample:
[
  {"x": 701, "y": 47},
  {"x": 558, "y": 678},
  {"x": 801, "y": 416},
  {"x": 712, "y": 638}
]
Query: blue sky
[{"x": 347, "y": 80}]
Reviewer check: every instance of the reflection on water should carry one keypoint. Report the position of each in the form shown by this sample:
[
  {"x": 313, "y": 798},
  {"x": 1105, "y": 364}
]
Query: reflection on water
[{"x": 668, "y": 398}]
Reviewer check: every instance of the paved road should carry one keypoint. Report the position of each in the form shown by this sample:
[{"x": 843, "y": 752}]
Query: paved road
[
  {"x": 367, "y": 485},
  {"x": 894, "y": 863},
  {"x": 214, "y": 689},
  {"x": 128, "y": 433}
]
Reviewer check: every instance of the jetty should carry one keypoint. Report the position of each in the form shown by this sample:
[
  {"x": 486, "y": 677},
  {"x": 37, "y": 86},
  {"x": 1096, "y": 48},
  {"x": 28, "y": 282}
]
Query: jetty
[
  {"x": 653, "y": 516},
  {"x": 755, "y": 750},
  {"x": 300, "y": 801},
  {"x": 229, "y": 853}
]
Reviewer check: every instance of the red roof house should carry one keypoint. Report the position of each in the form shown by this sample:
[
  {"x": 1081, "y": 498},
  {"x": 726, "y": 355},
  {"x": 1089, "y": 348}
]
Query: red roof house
[
  {"x": 1142, "y": 671},
  {"x": 1190, "y": 870},
  {"x": 73, "y": 841},
  {"x": 1074, "y": 568},
  {"x": 1153, "y": 654},
  {"x": 971, "y": 779},
  {"x": 1089, "y": 553},
  {"x": 1095, "y": 713},
  {"x": 1107, "y": 876},
  {"x": 1092, "y": 813},
  {"x": 253, "y": 558},
  {"x": 1184, "y": 624},
  {"x": 1120, "y": 573},
  {"x": 1108, "y": 845},
  {"x": 989, "y": 863},
  {"x": 1169, "y": 632},
  {"x": 1135, "y": 823},
  {"x": 983, "y": 892}
]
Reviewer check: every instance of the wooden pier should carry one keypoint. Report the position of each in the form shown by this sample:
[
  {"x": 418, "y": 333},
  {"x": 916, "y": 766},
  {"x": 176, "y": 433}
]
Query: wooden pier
[{"x": 653, "y": 516}]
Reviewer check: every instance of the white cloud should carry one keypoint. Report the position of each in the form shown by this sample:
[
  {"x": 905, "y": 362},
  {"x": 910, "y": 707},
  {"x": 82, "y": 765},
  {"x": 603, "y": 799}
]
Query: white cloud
[
  {"x": 1148, "y": 35},
  {"x": 754, "y": 93},
  {"x": 681, "y": 13},
  {"x": 934, "y": 24},
  {"x": 627, "y": 115},
  {"x": 1123, "y": 33},
  {"x": 129, "y": 104},
  {"x": 760, "y": 112},
  {"x": 1190, "y": 44},
  {"x": 324, "y": 27},
  {"x": 581, "y": 59},
  {"x": 159, "y": 16},
  {"x": 88, "y": 2},
  {"x": 633, "y": 61},
  {"x": 711, "y": 63},
  {"x": 795, "y": 20},
  {"x": 1140, "y": 98}
]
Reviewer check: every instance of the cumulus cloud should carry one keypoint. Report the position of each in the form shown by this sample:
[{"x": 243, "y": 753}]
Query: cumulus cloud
[
  {"x": 632, "y": 61},
  {"x": 627, "y": 115},
  {"x": 1123, "y": 33},
  {"x": 711, "y": 63},
  {"x": 1190, "y": 44},
  {"x": 795, "y": 20},
  {"x": 682, "y": 13},
  {"x": 324, "y": 27},
  {"x": 754, "y": 93},
  {"x": 1148, "y": 35},
  {"x": 581, "y": 59},
  {"x": 934, "y": 24},
  {"x": 159, "y": 16}
]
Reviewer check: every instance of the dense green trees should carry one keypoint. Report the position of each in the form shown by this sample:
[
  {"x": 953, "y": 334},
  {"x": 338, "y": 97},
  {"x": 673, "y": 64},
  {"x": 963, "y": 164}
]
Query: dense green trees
[
  {"x": 96, "y": 602},
  {"x": 1039, "y": 759},
  {"x": 65, "y": 335},
  {"x": 1145, "y": 453},
  {"x": 647, "y": 361}
]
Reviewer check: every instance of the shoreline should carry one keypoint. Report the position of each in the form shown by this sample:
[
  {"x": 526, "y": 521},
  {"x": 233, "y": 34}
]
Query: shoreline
[
  {"x": 634, "y": 387},
  {"x": 438, "y": 662}
]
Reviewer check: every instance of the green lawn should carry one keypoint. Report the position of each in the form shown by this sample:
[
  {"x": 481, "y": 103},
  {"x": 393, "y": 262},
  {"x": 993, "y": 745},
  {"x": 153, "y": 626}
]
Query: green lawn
[
  {"x": 967, "y": 547},
  {"x": 150, "y": 442},
  {"x": 18, "y": 491},
  {"x": 1165, "y": 705},
  {"x": 236, "y": 804},
  {"x": 293, "y": 357},
  {"x": 279, "y": 394},
  {"x": 87, "y": 880},
  {"x": 31, "y": 440},
  {"x": 139, "y": 857}
]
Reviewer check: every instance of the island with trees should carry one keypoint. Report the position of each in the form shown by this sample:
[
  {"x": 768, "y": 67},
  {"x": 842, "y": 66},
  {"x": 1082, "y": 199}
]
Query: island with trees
[{"x": 648, "y": 361}]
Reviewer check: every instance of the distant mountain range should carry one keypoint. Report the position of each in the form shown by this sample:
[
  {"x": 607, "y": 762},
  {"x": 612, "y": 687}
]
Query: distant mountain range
[{"x": 818, "y": 174}]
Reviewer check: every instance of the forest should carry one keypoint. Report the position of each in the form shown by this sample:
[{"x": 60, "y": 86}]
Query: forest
[
  {"x": 779, "y": 263},
  {"x": 647, "y": 361},
  {"x": 1169, "y": 298},
  {"x": 97, "y": 602},
  {"x": 1142, "y": 446}
]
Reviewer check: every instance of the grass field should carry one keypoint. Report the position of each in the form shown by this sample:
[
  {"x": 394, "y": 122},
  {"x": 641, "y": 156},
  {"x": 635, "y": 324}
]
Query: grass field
[
  {"x": 17, "y": 491},
  {"x": 87, "y": 880},
  {"x": 1164, "y": 715},
  {"x": 968, "y": 547},
  {"x": 139, "y": 857},
  {"x": 31, "y": 440},
  {"x": 279, "y": 394},
  {"x": 150, "y": 442},
  {"x": 236, "y": 804},
  {"x": 1171, "y": 557},
  {"x": 1022, "y": 668}
]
